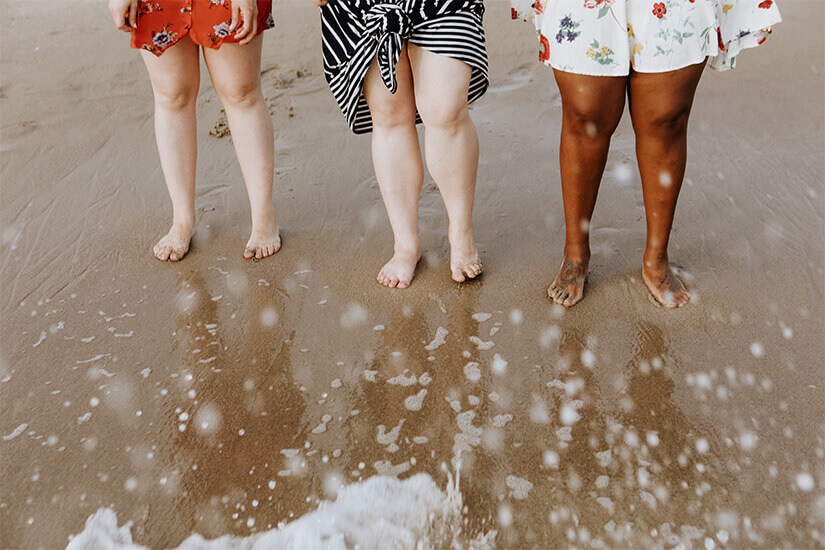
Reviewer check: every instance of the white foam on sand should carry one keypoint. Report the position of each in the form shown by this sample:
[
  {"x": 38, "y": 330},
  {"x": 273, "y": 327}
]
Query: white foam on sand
[{"x": 381, "y": 512}]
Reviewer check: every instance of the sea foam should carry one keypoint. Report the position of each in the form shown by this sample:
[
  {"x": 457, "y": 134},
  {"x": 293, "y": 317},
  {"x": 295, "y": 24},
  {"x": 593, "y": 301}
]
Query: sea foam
[{"x": 380, "y": 512}]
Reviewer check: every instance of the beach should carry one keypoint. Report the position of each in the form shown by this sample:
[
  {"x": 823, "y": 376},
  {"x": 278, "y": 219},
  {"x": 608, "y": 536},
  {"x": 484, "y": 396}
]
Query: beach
[{"x": 223, "y": 397}]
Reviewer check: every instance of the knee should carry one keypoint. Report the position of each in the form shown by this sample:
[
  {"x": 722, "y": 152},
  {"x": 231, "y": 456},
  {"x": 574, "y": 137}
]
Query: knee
[
  {"x": 239, "y": 94},
  {"x": 390, "y": 113},
  {"x": 176, "y": 96},
  {"x": 668, "y": 122},
  {"x": 591, "y": 121},
  {"x": 444, "y": 113}
]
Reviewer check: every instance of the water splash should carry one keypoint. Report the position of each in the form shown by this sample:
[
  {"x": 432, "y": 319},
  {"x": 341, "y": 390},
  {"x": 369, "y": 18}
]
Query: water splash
[{"x": 381, "y": 512}]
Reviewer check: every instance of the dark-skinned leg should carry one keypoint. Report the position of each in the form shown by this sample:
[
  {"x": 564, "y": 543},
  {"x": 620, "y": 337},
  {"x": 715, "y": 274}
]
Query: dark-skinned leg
[
  {"x": 660, "y": 105},
  {"x": 591, "y": 109}
]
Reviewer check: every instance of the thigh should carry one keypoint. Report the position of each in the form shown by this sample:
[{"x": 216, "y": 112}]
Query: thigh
[
  {"x": 384, "y": 105},
  {"x": 592, "y": 98},
  {"x": 663, "y": 96},
  {"x": 235, "y": 67},
  {"x": 176, "y": 70},
  {"x": 441, "y": 82}
]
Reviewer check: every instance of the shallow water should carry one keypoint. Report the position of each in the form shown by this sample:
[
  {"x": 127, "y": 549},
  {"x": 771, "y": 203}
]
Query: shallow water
[{"x": 222, "y": 398}]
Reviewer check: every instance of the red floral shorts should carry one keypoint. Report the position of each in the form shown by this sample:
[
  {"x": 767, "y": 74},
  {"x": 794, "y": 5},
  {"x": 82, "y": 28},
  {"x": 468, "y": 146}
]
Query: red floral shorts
[{"x": 161, "y": 23}]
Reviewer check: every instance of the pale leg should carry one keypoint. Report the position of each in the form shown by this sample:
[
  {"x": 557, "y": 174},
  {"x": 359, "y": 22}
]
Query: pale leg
[
  {"x": 236, "y": 74},
  {"x": 175, "y": 78},
  {"x": 396, "y": 157},
  {"x": 451, "y": 148}
]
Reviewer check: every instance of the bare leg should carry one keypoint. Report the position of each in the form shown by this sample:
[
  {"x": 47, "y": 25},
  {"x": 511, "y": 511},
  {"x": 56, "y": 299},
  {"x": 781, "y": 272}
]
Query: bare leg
[
  {"x": 175, "y": 80},
  {"x": 397, "y": 159},
  {"x": 592, "y": 107},
  {"x": 236, "y": 74},
  {"x": 451, "y": 148},
  {"x": 660, "y": 105}
]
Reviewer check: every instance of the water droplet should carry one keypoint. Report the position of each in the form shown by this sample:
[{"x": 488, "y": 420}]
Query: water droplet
[
  {"x": 757, "y": 349},
  {"x": 269, "y": 317},
  {"x": 805, "y": 482},
  {"x": 568, "y": 414},
  {"x": 499, "y": 364}
]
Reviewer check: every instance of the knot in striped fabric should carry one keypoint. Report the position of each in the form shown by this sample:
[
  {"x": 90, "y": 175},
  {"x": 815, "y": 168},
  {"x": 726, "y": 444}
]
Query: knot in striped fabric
[
  {"x": 390, "y": 25},
  {"x": 391, "y": 19}
]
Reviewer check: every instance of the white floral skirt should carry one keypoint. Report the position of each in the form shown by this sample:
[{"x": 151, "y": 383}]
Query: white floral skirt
[{"x": 609, "y": 37}]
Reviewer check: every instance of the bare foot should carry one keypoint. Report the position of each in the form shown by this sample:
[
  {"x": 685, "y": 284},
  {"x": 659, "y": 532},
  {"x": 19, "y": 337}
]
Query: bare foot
[
  {"x": 664, "y": 285},
  {"x": 174, "y": 245},
  {"x": 399, "y": 271},
  {"x": 464, "y": 261},
  {"x": 264, "y": 241},
  {"x": 567, "y": 288}
]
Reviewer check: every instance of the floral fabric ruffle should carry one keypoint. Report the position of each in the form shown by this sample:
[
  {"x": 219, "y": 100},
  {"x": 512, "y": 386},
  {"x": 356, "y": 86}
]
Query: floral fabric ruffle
[
  {"x": 609, "y": 37},
  {"x": 161, "y": 23}
]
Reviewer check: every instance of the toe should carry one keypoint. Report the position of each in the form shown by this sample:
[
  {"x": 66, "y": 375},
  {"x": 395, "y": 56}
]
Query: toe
[
  {"x": 471, "y": 271},
  {"x": 258, "y": 253},
  {"x": 561, "y": 296},
  {"x": 248, "y": 253},
  {"x": 667, "y": 302},
  {"x": 403, "y": 284},
  {"x": 571, "y": 300},
  {"x": 393, "y": 281},
  {"x": 458, "y": 276},
  {"x": 162, "y": 251}
]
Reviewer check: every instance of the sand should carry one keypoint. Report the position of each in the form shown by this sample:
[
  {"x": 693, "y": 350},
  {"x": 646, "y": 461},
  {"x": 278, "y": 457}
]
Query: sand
[{"x": 191, "y": 397}]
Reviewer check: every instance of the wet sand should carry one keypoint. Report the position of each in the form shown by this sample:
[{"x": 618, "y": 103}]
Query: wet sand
[{"x": 177, "y": 393}]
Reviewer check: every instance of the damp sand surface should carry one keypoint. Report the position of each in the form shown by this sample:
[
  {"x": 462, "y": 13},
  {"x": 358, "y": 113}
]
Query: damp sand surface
[{"x": 217, "y": 397}]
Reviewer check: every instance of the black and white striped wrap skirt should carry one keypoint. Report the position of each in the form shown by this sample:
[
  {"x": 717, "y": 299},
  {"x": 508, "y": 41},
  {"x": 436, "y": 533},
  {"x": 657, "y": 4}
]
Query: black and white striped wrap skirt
[{"x": 355, "y": 32}]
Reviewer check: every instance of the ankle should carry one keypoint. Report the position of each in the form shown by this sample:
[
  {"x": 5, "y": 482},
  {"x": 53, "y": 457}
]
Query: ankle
[
  {"x": 577, "y": 252},
  {"x": 655, "y": 258},
  {"x": 183, "y": 221},
  {"x": 263, "y": 217},
  {"x": 407, "y": 248},
  {"x": 460, "y": 230}
]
